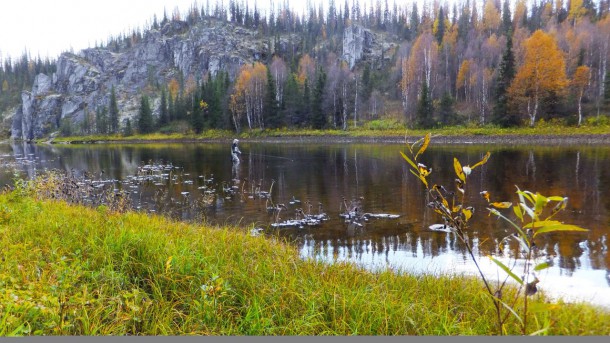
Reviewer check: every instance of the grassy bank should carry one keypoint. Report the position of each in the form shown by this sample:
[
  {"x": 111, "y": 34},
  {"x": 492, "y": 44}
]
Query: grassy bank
[
  {"x": 71, "y": 270},
  {"x": 379, "y": 128}
]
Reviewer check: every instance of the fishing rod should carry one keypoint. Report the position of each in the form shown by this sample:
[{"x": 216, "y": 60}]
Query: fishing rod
[{"x": 284, "y": 158}]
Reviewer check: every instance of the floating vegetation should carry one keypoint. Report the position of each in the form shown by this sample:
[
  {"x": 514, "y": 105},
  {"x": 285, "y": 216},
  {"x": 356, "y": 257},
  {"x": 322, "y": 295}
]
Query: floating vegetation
[
  {"x": 353, "y": 212},
  {"x": 441, "y": 228}
]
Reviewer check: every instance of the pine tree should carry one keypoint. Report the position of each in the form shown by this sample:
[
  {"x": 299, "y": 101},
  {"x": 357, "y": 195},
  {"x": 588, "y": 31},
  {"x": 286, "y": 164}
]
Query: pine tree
[
  {"x": 114, "y": 112},
  {"x": 506, "y": 75},
  {"x": 163, "y": 112},
  {"x": 440, "y": 27},
  {"x": 145, "y": 119},
  {"x": 304, "y": 113},
  {"x": 270, "y": 105},
  {"x": 425, "y": 109},
  {"x": 446, "y": 111},
  {"x": 318, "y": 119},
  {"x": 128, "y": 131}
]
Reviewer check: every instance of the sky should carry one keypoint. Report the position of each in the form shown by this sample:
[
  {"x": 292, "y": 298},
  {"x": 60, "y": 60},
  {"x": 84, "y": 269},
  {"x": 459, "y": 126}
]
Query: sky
[{"x": 49, "y": 27}]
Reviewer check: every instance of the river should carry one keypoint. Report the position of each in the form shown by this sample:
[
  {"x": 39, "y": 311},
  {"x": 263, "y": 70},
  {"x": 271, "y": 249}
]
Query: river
[{"x": 277, "y": 183}]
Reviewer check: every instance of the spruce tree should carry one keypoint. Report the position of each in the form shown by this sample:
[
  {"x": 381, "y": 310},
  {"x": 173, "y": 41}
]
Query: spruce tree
[
  {"x": 114, "y": 112},
  {"x": 163, "y": 110},
  {"x": 318, "y": 119},
  {"x": 425, "y": 109},
  {"x": 145, "y": 119},
  {"x": 506, "y": 74},
  {"x": 270, "y": 105},
  {"x": 446, "y": 111},
  {"x": 305, "y": 105}
]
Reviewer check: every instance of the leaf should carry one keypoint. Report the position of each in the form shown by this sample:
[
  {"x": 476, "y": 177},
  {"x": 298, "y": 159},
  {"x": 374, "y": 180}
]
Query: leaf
[
  {"x": 518, "y": 212},
  {"x": 468, "y": 213},
  {"x": 423, "y": 179},
  {"x": 506, "y": 269},
  {"x": 483, "y": 161},
  {"x": 560, "y": 227},
  {"x": 408, "y": 160},
  {"x": 424, "y": 145},
  {"x": 423, "y": 170},
  {"x": 541, "y": 202},
  {"x": 459, "y": 185},
  {"x": 560, "y": 206},
  {"x": 539, "y": 224},
  {"x": 528, "y": 210},
  {"x": 485, "y": 195},
  {"x": 497, "y": 213},
  {"x": 541, "y": 266},
  {"x": 504, "y": 204},
  {"x": 458, "y": 170}
]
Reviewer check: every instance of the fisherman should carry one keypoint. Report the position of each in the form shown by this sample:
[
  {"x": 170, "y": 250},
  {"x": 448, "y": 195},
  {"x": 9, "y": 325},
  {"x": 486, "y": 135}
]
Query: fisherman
[{"x": 235, "y": 151}]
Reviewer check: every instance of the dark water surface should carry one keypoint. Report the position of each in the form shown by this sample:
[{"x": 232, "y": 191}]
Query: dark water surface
[{"x": 195, "y": 182}]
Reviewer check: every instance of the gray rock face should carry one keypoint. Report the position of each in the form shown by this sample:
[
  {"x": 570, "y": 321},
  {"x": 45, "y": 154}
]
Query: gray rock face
[
  {"x": 358, "y": 42},
  {"x": 83, "y": 81}
]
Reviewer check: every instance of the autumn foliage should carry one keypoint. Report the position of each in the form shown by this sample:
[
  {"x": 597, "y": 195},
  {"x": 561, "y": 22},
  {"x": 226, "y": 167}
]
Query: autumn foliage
[{"x": 541, "y": 75}]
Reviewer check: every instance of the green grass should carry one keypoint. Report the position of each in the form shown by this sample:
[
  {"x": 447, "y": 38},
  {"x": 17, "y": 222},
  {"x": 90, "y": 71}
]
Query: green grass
[
  {"x": 375, "y": 128},
  {"x": 71, "y": 270}
]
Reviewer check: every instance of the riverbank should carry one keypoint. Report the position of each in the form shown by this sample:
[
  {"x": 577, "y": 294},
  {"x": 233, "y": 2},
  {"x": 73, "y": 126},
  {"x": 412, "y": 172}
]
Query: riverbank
[
  {"x": 72, "y": 270},
  {"x": 548, "y": 135}
]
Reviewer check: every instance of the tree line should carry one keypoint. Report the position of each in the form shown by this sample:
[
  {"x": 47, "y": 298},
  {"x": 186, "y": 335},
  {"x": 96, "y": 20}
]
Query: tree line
[{"x": 467, "y": 62}]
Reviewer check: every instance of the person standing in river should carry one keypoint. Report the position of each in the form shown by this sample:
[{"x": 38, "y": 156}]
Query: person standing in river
[{"x": 235, "y": 153}]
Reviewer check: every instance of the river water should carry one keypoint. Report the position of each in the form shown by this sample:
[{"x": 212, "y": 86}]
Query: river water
[{"x": 276, "y": 183}]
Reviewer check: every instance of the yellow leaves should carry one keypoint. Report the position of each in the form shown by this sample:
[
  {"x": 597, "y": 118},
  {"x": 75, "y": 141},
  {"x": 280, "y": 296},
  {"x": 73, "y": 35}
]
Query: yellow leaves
[
  {"x": 483, "y": 161},
  {"x": 467, "y": 213},
  {"x": 485, "y": 195},
  {"x": 543, "y": 69},
  {"x": 424, "y": 145},
  {"x": 458, "y": 170},
  {"x": 504, "y": 204},
  {"x": 581, "y": 77},
  {"x": 423, "y": 170}
]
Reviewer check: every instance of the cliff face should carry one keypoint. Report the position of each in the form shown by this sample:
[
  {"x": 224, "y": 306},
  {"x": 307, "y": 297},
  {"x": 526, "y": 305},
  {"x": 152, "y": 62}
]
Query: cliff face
[{"x": 83, "y": 81}]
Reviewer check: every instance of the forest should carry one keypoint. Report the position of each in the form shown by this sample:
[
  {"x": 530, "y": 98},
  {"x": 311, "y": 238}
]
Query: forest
[{"x": 491, "y": 62}]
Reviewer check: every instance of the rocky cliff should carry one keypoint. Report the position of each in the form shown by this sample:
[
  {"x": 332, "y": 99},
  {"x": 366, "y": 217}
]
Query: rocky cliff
[{"x": 83, "y": 81}]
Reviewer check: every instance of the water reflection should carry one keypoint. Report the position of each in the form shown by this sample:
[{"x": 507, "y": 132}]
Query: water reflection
[{"x": 376, "y": 175}]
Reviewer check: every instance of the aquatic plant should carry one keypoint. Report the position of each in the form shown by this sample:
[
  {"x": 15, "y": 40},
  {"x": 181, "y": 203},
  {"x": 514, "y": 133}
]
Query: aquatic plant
[{"x": 533, "y": 213}]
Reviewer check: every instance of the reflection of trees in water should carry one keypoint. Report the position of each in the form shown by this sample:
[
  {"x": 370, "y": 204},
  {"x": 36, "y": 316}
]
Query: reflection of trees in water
[{"x": 326, "y": 174}]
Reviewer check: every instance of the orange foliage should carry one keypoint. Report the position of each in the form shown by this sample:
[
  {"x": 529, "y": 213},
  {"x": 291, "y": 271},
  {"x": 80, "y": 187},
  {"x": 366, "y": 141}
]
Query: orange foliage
[{"x": 543, "y": 72}]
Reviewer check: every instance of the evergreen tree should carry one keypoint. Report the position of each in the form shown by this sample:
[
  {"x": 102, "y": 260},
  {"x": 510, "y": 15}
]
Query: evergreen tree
[
  {"x": 128, "y": 131},
  {"x": 198, "y": 115},
  {"x": 163, "y": 110},
  {"x": 446, "y": 111},
  {"x": 304, "y": 113},
  {"x": 607, "y": 89},
  {"x": 507, "y": 23},
  {"x": 145, "y": 119},
  {"x": 506, "y": 74},
  {"x": 101, "y": 120},
  {"x": 318, "y": 119},
  {"x": 291, "y": 100},
  {"x": 425, "y": 109},
  {"x": 270, "y": 105},
  {"x": 440, "y": 28},
  {"x": 114, "y": 112}
]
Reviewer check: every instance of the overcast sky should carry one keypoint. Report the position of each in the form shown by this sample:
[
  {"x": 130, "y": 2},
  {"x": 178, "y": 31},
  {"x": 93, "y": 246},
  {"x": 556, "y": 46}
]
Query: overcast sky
[{"x": 48, "y": 27}]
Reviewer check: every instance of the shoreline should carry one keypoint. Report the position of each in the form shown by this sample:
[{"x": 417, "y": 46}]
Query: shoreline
[{"x": 509, "y": 139}]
